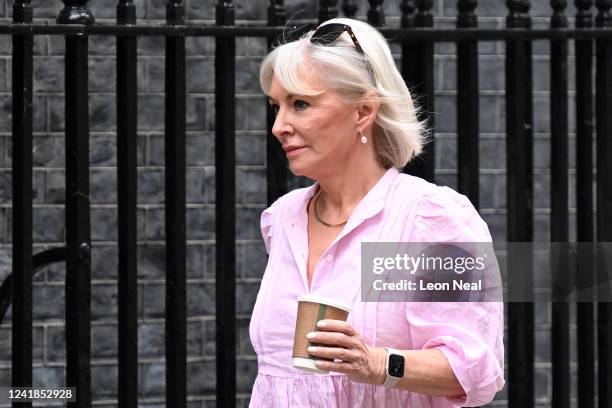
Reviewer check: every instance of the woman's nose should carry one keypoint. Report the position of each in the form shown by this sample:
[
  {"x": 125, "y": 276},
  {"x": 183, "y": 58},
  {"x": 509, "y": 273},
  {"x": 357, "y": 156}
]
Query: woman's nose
[{"x": 281, "y": 125}]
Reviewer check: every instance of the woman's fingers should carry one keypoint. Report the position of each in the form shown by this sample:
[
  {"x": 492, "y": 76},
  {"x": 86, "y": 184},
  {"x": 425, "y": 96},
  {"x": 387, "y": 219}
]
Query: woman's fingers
[
  {"x": 332, "y": 338},
  {"x": 336, "y": 326},
  {"x": 338, "y": 342},
  {"x": 335, "y": 366},
  {"x": 332, "y": 353}
]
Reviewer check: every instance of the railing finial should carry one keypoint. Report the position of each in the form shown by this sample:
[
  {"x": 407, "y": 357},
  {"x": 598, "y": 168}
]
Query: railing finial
[
  {"x": 22, "y": 11},
  {"x": 424, "y": 16},
  {"x": 175, "y": 12},
  {"x": 328, "y": 9},
  {"x": 604, "y": 17},
  {"x": 276, "y": 13},
  {"x": 467, "y": 16},
  {"x": 376, "y": 14},
  {"x": 518, "y": 14},
  {"x": 75, "y": 12},
  {"x": 225, "y": 13},
  {"x": 126, "y": 12},
  {"x": 408, "y": 8},
  {"x": 584, "y": 17},
  {"x": 558, "y": 19},
  {"x": 349, "y": 8}
]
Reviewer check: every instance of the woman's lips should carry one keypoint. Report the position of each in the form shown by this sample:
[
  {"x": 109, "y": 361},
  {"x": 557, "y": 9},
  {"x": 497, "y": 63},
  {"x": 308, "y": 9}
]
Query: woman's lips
[{"x": 295, "y": 151}]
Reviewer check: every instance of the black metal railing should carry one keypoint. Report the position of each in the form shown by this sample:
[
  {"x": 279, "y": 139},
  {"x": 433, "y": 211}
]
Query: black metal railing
[
  {"x": 127, "y": 110},
  {"x": 21, "y": 278},
  {"x": 417, "y": 37}
]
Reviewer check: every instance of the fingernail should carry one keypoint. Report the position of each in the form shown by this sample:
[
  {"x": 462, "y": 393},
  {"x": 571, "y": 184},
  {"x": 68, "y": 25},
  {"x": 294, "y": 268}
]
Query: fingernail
[
  {"x": 310, "y": 335},
  {"x": 321, "y": 323},
  {"x": 312, "y": 349}
]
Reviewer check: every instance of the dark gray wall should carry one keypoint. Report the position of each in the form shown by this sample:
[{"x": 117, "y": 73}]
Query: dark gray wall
[{"x": 251, "y": 194}]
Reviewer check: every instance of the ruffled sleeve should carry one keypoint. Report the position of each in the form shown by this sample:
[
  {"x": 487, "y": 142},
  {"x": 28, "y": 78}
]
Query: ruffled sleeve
[
  {"x": 469, "y": 334},
  {"x": 266, "y": 221},
  {"x": 443, "y": 215}
]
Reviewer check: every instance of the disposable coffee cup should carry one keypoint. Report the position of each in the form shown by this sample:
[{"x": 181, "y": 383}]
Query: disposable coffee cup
[{"x": 311, "y": 309}]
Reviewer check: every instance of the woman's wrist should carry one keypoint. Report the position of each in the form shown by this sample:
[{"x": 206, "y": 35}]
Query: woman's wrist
[{"x": 379, "y": 366}]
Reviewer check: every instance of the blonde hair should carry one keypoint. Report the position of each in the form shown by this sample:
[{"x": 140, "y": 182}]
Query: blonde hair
[{"x": 398, "y": 135}]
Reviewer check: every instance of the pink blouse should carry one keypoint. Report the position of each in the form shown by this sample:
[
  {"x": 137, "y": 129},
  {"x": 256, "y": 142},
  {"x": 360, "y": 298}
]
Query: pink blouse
[{"x": 399, "y": 208}]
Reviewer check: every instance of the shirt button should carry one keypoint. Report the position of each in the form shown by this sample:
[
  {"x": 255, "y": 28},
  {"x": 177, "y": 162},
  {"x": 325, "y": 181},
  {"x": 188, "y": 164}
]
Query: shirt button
[{"x": 329, "y": 258}]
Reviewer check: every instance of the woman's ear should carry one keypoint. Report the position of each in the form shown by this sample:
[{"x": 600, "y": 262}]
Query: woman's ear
[{"x": 367, "y": 110}]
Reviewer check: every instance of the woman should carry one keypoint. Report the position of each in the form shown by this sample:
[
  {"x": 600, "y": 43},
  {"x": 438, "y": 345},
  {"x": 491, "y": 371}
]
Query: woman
[{"x": 345, "y": 118}]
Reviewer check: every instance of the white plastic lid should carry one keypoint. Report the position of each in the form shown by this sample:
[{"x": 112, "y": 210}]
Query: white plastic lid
[
  {"x": 308, "y": 365},
  {"x": 325, "y": 301}
]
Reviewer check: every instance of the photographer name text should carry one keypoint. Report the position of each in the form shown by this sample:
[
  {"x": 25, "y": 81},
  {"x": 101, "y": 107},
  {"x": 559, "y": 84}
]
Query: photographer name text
[{"x": 423, "y": 285}]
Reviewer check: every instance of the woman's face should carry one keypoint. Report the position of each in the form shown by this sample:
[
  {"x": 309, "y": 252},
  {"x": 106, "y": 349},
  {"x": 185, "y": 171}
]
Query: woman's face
[{"x": 317, "y": 133}]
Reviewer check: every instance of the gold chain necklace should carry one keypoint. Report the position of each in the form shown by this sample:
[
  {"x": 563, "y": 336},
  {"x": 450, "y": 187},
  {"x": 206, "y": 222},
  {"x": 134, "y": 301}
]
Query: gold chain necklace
[{"x": 317, "y": 214}]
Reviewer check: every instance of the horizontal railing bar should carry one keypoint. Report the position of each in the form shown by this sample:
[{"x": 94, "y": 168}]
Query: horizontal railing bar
[{"x": 395, "y": 34}]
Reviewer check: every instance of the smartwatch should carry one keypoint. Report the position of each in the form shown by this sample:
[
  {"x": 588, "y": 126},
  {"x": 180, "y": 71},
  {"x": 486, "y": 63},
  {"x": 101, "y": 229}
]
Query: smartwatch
[{"x": 394, "y": 368}]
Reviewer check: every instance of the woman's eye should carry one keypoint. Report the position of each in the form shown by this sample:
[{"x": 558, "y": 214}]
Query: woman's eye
[
  {"x": 274, "y": 108},
  {"x": 299, "y": 104}
]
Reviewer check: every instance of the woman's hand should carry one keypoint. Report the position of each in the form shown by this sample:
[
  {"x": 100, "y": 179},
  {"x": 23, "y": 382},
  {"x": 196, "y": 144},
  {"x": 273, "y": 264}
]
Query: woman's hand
[{"x": 339, "y": 341}]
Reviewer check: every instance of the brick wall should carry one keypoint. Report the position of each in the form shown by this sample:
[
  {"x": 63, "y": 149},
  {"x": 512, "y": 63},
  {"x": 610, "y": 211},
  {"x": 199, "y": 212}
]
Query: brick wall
[{"x": 48, "y": 118}]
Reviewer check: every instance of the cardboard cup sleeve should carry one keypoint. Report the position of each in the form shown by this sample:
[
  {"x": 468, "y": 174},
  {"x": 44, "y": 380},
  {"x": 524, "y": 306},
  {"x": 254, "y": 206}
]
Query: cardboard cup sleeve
[{"x": 311, "y": 309}]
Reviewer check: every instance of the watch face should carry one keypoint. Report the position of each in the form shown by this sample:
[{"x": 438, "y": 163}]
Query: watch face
[{"x": 396, "y": 365}]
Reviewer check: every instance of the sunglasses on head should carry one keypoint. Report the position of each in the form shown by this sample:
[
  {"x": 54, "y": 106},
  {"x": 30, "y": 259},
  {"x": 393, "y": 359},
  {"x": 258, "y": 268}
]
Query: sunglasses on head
[{"x": 328, "y": 33}]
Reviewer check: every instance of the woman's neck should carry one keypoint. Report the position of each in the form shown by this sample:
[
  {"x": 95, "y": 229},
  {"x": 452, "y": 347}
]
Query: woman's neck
[{"x": 341, "y": 193}]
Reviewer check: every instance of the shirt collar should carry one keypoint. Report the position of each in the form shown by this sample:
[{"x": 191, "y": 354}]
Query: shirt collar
[{"x": 371, "y": 204}]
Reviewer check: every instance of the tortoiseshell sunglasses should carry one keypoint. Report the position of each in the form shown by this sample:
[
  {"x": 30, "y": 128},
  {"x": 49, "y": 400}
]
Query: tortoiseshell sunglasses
[{"x": 328, "y": 33}]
